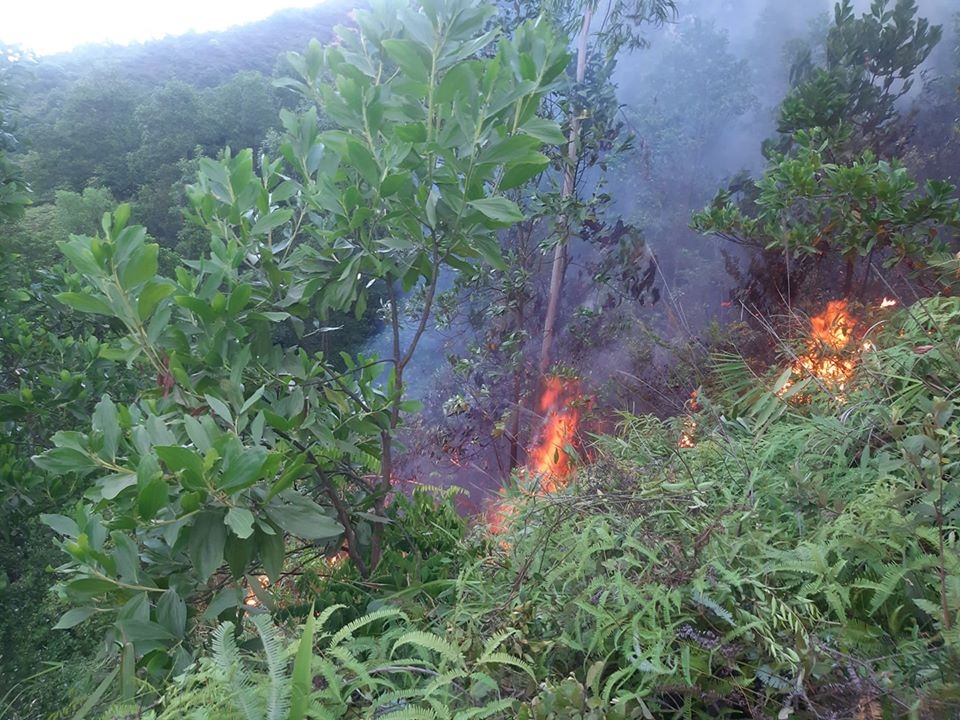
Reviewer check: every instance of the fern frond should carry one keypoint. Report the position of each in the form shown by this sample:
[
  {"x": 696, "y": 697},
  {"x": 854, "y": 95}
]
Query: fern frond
[
  {"x": 350, "y": 628},
  {"x": 226, "y": 658},
  {"x": 429, "y": 641},
  {"x": 278, "y": 688},
  {"x": 489, "y": 710},
  {"x": 505, "y": 659}
]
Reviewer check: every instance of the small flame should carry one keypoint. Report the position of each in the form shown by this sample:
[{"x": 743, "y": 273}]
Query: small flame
[{"x": 888, "y": 302}]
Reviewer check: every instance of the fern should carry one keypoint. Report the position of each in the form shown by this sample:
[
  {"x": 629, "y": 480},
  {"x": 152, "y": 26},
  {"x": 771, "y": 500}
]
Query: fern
[{"x": 226, "y": 658}]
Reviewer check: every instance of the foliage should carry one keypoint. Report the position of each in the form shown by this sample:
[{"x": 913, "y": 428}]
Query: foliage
[
  {"x": 801, "y": 559},
  {"x": 808, "y": 207},
  {"x": 199, "y": 480},
  {"x": 869, "y": 64}
]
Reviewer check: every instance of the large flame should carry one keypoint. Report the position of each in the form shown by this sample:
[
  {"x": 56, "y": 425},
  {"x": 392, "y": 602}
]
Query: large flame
[
  {"x": 833, "y": 351},
  {"x": 549, "y": 461}
]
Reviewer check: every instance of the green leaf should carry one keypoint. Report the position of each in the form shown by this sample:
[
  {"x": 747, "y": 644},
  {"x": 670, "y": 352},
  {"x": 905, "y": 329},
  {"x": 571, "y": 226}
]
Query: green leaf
[
  {"x": 60, "y": 461},
  {"x": 270, "y": 221},
  {"x": 183, "y": 462},
  {"x": 105, "y": 420},
  {"x": 61, "y": 524},
  {"x": 207, "y": 536},
  {"x": 150, "y": 297},
  {"x": 238, "y": 553},
  {"x": 85, "y": 303},
  {"x": 220, "y": 408},
  {"x": 240, "y": 521},
  {"x": 137, "y": 631},
  {"x": 141, "y": 266},
  {"x": 172, "y": 613},
  {"x": 498, "y": 209},
  {"x": 301, "y": 679},
  {"x": 74, "y": 617},
  {"x": 112, "y": 485},
  {"x": 302, "y": 517},
  {"x": 152, "y": 497},
  {"x": 272, "y": 553},
  {"x": 546, "y": 131},
  {"x": 410, "y": 56},
  {"x": 90, "y": 586},
  {"x": 241, "y": 468}
]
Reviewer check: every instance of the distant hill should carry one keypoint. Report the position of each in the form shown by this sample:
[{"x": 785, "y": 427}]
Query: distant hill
[{"x": 202, "y": 59}]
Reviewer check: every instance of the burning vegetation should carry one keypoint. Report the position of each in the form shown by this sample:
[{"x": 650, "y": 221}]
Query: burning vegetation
[
  {"x": 833, "y": 348},
  {"x": 550, "y": 460}
]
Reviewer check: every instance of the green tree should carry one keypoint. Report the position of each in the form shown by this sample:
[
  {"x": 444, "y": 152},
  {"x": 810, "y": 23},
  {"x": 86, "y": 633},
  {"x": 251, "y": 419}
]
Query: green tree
[
  {"x": 620, "y": 29},
  {"x": 869, "y": 63},
  {"x": 13, "y": 188},
  {"x": 242, "y": 443}
]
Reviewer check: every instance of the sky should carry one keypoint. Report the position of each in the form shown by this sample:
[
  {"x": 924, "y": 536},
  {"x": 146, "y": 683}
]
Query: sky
[{"x": 51, "y": 26}]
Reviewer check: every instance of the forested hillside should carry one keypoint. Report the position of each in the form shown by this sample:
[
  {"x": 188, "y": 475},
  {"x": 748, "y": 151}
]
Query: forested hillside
[{"x": 485, "y": 360}]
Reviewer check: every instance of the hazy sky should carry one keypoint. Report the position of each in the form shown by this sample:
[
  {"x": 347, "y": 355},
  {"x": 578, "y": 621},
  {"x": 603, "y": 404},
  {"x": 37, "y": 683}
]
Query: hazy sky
[{"x": 50, "y": 26}]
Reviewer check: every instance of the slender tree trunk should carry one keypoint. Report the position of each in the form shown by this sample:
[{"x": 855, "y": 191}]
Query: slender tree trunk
[{"x": 560, "y": 256}]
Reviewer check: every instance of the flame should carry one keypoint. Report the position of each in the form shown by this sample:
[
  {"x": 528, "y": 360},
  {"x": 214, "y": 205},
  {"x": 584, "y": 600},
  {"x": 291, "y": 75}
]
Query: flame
[
  {"x": 888, "y": 302},
  {"x": 829, "y": 356},
  {"x": 549, "y": 464}
]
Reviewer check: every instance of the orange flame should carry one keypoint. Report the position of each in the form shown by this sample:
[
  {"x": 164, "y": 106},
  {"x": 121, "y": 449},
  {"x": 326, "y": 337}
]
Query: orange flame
[
  {"x": 549, "y": 464},
  {"x": 549, "y": 460},
  {"x": 828, "y": 358}
]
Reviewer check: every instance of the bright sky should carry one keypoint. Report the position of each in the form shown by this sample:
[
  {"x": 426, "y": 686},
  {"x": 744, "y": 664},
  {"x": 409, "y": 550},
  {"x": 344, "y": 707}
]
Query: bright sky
[{"x": 51, "y": 26}]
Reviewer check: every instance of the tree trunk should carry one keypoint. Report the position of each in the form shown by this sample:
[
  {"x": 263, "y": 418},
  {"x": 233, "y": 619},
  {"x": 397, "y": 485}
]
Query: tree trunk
[{"x": 569, "y": 184}]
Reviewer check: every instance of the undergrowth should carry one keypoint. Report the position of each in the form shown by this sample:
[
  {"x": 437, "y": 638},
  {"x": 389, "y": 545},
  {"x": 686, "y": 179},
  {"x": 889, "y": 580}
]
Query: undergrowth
[{"x": 801, "y": 559}]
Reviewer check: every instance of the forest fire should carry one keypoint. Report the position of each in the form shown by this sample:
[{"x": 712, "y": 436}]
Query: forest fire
[
  {"x": 828, "y": 358},
  {"x": 549, "y": 463},
  {"x": 833, "y": 350}
]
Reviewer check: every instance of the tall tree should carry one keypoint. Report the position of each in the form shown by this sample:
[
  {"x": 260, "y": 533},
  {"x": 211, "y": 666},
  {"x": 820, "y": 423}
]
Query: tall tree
[{"x": 619, "y": 29}]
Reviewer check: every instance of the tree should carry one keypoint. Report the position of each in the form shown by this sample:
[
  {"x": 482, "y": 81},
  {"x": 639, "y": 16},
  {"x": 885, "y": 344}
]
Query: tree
[
  {"x": 13, "y": 189},
  {"x": 619, "y": 30},
  {"x": 829, "y": 189},
  {"x": 242, "y": 443}
]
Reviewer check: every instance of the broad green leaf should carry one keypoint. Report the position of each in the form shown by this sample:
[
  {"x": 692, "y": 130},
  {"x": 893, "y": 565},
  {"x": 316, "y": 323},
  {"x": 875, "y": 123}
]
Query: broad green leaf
[
  {"x": 77, "y": 251},
  {"x": 106, "y": 420},
  {"x": 238, "y": 552},
  {"x": 207, "y": 536},
  {"x": 112, "y": 485},
  {"x": 271, "y": 221},
  {"x": 61, "y": 524},
  {"x": 241, "y": 468},
  {"x": 184, "y": 462},
  {"x": 302, "y": 517},
  {"x": 544, "y": 130},
  {"x": 498, "y": 209},
  {"x": 141, "y": 266},
  {"x": 412, "y": 58},
  {"x": 272, "y": 553},
  {"x": 90, "y": 586},
  {"x": 220, "y": 408},
  {"x": 172, "y": 613},
  {"x": 152, "y": 497},
  {"x": 86, "y": 303},
  {"x": 126, "y": 555},
  {"x": 73, "y": 617},
  {"x": 150, "y": 297},
  {"x": 136, "y": 631},
  {"x": 240, "y": 521},
  {"x": 60, "y": 461}
]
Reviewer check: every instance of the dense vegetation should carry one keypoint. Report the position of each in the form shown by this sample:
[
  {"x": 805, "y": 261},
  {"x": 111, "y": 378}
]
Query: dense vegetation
[{"x": 202, "y": 506}]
